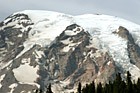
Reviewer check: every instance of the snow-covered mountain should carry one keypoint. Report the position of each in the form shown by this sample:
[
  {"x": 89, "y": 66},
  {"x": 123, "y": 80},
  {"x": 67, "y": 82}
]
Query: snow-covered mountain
[{"x": 42, "y": 47}]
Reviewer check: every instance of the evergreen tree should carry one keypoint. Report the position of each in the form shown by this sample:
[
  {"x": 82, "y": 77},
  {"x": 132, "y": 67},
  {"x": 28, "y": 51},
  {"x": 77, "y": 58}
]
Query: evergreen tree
[
  {"x": 128, "y": 80},
  {"x": 108, "y": 88},
  {"x": 91, "y": 87},
  {"x": 129, "y": 88},
  {"x": 118, "y": 84},
  {"x": 39, "y": 91},
  {"x": 86, "y": 89},
  {"x": 99, "y": 88},
  {"x": 49, "y": 89},
  {"x": 79, "y": 88},
  {"x": 138, "y": 85}
]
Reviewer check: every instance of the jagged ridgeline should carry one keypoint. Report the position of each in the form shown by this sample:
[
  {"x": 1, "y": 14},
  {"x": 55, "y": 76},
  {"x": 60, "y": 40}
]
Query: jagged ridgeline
[{"x": 38, "y": 48}]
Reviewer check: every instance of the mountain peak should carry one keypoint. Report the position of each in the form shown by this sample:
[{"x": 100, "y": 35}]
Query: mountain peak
[{"x": 63, "y": 49}]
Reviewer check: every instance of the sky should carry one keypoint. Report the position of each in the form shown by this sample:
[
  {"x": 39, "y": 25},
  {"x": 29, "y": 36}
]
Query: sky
[{"x": 127, "y": 9}]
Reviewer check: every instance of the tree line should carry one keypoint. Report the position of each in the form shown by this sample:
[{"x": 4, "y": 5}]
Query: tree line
[{"x": 117, "y": 86}]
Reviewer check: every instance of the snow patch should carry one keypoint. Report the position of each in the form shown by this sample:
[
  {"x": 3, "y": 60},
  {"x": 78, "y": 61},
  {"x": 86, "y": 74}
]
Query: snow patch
[
  {"x": 1, "y": 78},
  {"x": 98, "y": 53},
  {"x": 20, "y": 35},
  {"x": 22, "y": 92},
  {"x": 59, "y": 87},
  {"x": 17, "y": 23},
  {"x": 70, "y": 46},
  {"x": 52, "y": 59},
  {"x": 93, "y": 55},
  {"x": 74, "y": 31},
  {"x": 4, "y": 65},
  {"x": 8, "y": 19},
  {"x": 13, "y": 86},
  {"x": 29, "y": 74},
  {"x": 84, "y": 53},
  {"x": 67, "y": 41},
  {"x": 26, "y": 60},
  {"x": 99, "y": 73},
  {"x": 9, "y": 43},
  {"x": 108, "y": 63}
]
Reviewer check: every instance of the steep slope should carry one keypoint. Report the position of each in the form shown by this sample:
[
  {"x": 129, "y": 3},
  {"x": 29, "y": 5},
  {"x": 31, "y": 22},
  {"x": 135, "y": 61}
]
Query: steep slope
[{"x": 42, "y": 47}]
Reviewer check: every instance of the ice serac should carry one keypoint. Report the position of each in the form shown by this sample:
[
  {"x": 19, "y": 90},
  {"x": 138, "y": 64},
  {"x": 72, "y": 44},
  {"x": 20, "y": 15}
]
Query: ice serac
[{"x": 42, "y": 47}]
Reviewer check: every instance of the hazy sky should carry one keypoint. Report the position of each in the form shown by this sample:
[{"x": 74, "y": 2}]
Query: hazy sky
[{"x": 127, "y": 9}]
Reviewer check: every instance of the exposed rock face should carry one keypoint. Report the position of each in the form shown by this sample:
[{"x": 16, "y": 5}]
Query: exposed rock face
[
  {"x": 61, "y": 50},
  {"x": 13, "y": 33},
  {"x": 133, "y": 48},
  {"x": 71, "y": 59}
]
